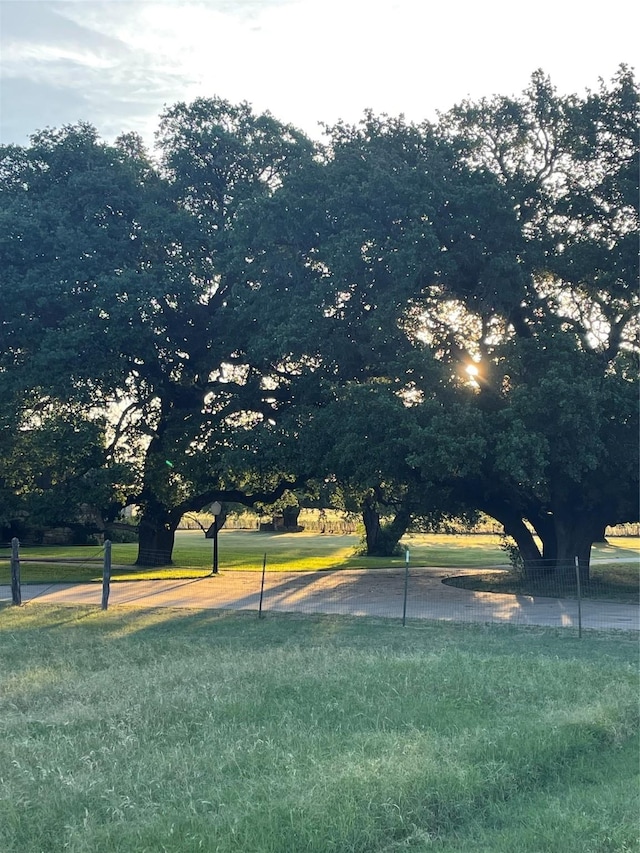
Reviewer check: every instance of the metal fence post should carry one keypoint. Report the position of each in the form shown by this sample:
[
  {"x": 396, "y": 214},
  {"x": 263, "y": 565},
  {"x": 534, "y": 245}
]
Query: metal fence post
[
  {"x": 579, "y": 590},
  {"x": 264, "y": 568},
  {"x": 106, "y": 574},
  {"x": 406, "y": 587},
  {"x": 16, "y": 592}
]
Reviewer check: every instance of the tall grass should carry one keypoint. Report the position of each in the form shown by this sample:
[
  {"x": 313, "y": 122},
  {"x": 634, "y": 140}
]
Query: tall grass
[{"x": 149, "y": 731}]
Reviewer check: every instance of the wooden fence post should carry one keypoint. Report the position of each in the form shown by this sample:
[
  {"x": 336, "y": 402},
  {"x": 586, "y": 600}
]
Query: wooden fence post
[{"x": 16, "y": 592}]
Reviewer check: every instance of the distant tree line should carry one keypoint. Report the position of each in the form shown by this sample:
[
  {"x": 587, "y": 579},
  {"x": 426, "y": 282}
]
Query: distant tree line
[{"x": 414, "y": 322}]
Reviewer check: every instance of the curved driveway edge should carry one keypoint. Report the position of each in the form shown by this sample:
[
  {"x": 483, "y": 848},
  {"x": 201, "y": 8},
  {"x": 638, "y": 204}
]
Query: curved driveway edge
[{"x": 363, "y": 592}]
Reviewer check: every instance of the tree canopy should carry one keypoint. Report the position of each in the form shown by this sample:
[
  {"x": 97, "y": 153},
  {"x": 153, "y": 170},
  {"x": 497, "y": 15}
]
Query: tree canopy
[
  {"x": 437, "y": 318},
  {"x": 119, "y": 293}
]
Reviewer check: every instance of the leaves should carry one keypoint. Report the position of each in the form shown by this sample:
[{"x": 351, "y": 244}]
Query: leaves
[{"x": 262, "y": 311}]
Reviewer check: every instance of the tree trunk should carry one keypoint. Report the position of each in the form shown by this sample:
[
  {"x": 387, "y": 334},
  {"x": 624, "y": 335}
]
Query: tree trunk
[
  {"x": 543, "y": 524},
  {"x": 550, "y": 550},
  {"x": 156, "y": 536},
  {"x": 395, "y": 530},
  {"x": 600, "y": 535},
  {"x": 156, "y": 531},
  {"x": 371, "y": 521},
  {"x": 382, "y": 540},
  {"x": 575, "y": 535},
  {"x": 515, "y": 527},
  {"x": 529, "y": 551},
  {"x": 290, "y": 517}
]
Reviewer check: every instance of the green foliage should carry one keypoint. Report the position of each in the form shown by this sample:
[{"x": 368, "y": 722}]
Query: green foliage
[
  {"x": 124, "y": 295},
  {"x": 512, "y": 552},
  {"x": 263, "y": 313},
  {"x": 122, "y": 532},
  {"x": 56, "y": 472}
]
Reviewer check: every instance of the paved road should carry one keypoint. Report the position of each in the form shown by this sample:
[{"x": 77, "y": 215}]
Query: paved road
[{"x": 347, "y": 592}]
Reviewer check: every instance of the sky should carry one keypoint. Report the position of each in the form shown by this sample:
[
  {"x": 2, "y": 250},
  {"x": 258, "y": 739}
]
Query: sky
[{"x": 118, "y": 63}]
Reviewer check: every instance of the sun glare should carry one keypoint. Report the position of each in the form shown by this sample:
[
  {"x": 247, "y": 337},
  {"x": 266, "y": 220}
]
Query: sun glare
[{"x": 473, "y": 373}]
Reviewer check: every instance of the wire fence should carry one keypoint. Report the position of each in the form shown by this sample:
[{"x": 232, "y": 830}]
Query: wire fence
[{"x": 559, "y": 598}]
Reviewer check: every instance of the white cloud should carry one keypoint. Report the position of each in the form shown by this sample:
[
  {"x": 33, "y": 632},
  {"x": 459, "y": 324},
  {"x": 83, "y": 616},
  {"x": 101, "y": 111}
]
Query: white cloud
[
  {"x": 312, "y": 60},
  {"x": 32, "y": 60}
]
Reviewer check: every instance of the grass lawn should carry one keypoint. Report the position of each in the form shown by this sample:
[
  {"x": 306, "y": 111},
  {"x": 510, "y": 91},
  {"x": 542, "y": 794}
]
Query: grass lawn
[
  {"x": 132, "y": 731},
  {"x": 608, "y": 582},
  {"x": 615, "y": 566},
  {"x": 614, "y": 576},
  {"x": 241, "y": 550}
]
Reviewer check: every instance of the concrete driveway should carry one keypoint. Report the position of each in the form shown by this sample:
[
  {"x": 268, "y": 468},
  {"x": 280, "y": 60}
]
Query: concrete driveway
[{"x": 347, "y": 592}]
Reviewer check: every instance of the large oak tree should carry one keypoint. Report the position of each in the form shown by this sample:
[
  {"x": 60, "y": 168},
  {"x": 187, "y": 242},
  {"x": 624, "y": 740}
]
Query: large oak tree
[
  {"x": 502, "y": 240},
  {"x": 559, "y": 380},
  {"x": 120, "y": 290}
]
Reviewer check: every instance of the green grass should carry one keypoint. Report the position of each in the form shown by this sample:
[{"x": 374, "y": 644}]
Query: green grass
[
  {"x": 244, "y": 550},
  {"x": 614, "y": 576},
  {"x": 132, "y": 731},
  {"x": 607, "y": 583}
]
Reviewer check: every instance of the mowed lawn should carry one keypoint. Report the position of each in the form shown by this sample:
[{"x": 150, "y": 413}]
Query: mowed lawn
[
  {"x": 130, "y": 731},
  {"x": 244, "y": 550}
]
